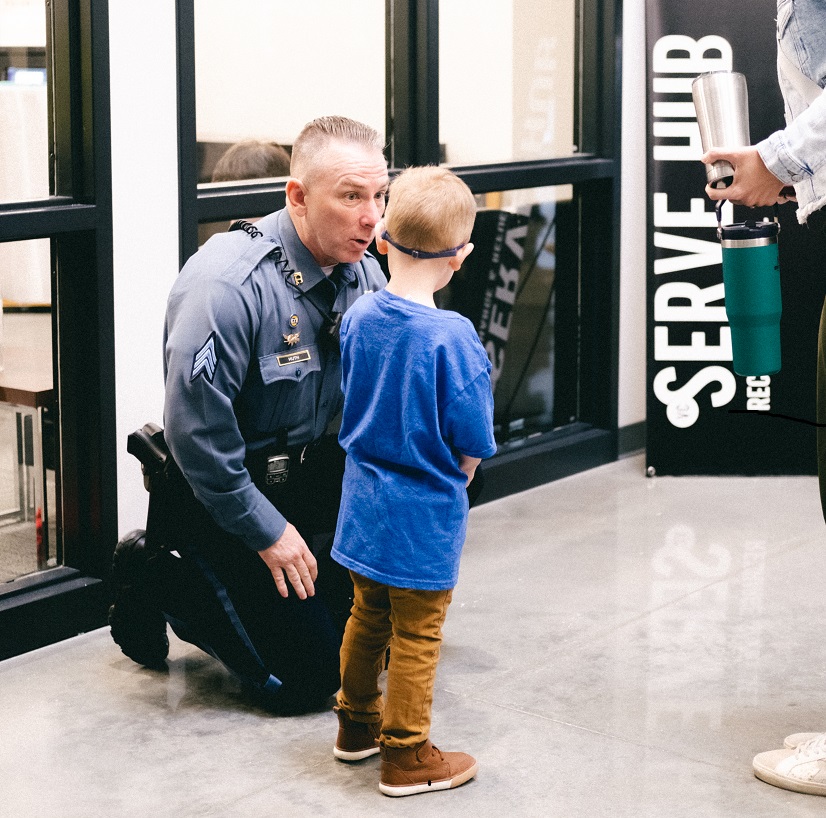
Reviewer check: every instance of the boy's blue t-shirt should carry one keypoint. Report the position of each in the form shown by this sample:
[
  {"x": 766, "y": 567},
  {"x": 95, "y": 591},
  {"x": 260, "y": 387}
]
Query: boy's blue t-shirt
[{"x": 417, "y": 393}]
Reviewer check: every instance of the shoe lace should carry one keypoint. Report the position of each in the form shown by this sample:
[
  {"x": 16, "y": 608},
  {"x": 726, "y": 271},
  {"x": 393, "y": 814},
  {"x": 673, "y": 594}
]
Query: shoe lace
[{"x": 815, "y": 746}]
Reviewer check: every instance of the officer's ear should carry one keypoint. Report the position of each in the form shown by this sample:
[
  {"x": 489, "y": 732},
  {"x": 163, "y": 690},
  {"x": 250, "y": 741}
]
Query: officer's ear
[{"x": 296, "y": 196}]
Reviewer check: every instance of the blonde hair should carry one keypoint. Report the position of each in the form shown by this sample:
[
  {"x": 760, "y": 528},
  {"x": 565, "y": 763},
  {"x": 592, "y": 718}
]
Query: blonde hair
[
  {"x": 317, "y": 135},
  {"x": 430, "y": 209}
]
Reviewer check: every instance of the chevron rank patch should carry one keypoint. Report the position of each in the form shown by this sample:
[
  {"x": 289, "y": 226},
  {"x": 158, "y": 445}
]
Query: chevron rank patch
[{"x": 205, "y": 361}]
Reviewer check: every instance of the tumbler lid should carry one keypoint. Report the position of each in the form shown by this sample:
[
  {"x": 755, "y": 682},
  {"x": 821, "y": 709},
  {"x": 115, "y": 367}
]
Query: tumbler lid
[{"x": 744, "y": 231}]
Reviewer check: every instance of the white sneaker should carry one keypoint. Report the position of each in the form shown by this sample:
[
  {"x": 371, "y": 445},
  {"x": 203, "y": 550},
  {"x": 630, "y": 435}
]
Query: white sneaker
[
  {"x": 793, "y": 741},
  {"x": 800, "y": 770}
]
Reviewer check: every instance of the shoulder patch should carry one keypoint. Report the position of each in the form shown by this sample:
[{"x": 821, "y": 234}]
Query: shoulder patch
[{"x": 205, "y": 361}]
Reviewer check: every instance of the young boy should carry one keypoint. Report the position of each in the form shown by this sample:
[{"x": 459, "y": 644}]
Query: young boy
[{"x": 417, "y": 422}]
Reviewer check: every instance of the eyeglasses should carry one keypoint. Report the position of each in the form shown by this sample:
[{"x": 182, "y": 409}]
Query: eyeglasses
[{"x": 453, "y": 251}]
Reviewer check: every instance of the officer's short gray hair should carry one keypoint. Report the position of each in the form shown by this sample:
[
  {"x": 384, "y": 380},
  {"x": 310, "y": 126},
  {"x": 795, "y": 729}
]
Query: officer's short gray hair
[{"x": 316, "y": 135}]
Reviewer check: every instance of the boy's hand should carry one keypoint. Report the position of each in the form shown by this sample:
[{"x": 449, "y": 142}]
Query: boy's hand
[
  {"x": 289, "y": 556},
  {"x": 468, "y": 465}
]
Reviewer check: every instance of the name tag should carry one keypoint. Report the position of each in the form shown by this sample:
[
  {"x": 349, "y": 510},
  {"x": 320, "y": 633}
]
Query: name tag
[{"x": 293, "y": 357}]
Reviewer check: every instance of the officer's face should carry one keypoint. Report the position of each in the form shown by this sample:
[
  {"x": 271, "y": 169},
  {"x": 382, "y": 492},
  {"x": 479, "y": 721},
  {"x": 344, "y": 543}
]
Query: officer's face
[{"x": 342, "y": 202}]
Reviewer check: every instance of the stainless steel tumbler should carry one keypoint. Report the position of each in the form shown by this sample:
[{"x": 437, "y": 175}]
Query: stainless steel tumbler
[{"x": 721, "y": 101}]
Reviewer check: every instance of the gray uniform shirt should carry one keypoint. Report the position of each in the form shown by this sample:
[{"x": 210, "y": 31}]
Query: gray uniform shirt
[{"x": 243, "y": 360}]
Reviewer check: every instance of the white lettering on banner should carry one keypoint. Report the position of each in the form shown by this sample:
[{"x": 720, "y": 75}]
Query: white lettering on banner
[
  {"x": 699, "y": 253},
  {"x": 515, "y": 238},
  {"x": 691, "y": 150},
  {"x": 677, "y": 139},
  {"x": 697, "y": 62},
  {"x": 542, "y": 100},
  {"x": 506, "y": 291},
  {"x": 697, "y": 350},
  {"x": 681, "y": 408},
  {"x": 695, "y": 216},
  {"x": 758, "y": 393},
  {"x": 499, "y": 299},
  {"x": 696, "y": 310}
]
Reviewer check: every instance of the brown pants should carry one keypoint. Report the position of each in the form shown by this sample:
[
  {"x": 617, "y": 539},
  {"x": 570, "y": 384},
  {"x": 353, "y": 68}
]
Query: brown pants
[{"x": 410, "y": 621}]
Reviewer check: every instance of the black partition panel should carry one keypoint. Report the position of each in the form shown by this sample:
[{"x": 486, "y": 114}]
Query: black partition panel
[{"x": 702, "y": 418}]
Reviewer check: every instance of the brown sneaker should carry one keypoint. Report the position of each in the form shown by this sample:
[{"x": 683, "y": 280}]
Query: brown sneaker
[
  {"x": 410, "y": 770},
  {"x": 356, "y": 740}
]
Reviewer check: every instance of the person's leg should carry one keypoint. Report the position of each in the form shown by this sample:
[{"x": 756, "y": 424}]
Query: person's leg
[
  {"x": 137, "y": 626},
  {"x": 366, "y": 637},
  {"x": 333, "y": 586},
  {"x": 219, "y": 595},
  {"x": 821, "y": 408},
  {"x": 410, "y": 762},
  {"x": 417, "y": 618},
  {"x": 262, "y": 637},
  {"x": 801, "y": 765}
]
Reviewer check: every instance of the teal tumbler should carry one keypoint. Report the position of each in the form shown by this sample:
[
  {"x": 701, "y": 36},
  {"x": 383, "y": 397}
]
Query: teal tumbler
[{"x": 751, "y": 280}]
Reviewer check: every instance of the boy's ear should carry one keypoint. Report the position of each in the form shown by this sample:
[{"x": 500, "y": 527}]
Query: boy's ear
[
  {"x": 381, "y": 244},
  {"x": 457, "y": 260}
]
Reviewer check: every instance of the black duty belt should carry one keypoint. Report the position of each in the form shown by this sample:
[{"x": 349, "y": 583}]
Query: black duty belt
[{"x": 275, "y": 465}]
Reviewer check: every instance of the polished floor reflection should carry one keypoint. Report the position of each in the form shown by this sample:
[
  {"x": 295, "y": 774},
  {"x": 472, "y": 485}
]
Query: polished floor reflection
[{"x": 617, "y": 646}]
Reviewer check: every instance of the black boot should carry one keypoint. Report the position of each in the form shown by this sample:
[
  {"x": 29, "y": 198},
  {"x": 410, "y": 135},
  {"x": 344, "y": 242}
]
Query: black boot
[{"x": 137, "y": 626}]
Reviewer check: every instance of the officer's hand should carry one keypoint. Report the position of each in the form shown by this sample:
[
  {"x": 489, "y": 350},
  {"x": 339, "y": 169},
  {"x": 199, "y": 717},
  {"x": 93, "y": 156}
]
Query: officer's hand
[{"x": 289, "y": 556}]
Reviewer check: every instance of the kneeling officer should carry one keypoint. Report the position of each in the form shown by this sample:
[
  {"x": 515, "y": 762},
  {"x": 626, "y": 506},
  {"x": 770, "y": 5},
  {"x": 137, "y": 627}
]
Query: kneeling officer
[{"x": 235, "y": 556}]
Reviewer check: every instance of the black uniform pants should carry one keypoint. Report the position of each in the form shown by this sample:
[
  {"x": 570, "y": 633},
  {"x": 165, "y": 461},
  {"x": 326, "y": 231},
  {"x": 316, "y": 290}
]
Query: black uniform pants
[{"x": 219, "y": 595}]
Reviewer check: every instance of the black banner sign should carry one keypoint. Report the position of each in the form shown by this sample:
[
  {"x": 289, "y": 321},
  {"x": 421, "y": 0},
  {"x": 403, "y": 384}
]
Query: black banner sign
[{"x": 701, "y": 417}]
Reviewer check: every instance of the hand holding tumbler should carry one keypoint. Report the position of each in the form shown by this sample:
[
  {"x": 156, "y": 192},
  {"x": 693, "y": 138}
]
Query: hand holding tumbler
[{"x": 751, "y": 273}]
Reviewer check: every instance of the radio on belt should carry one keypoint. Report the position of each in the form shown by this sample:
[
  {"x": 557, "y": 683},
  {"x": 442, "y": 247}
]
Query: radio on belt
[{"x": 278, "y": 467}]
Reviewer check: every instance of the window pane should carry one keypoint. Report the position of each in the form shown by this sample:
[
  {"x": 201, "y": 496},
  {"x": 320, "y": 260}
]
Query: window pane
[
  {"x": 520, "y": 288},
  {"x": 24, "y": 156},
  {"x": 506, "y": 84},
  {"x": 264, "y": 68},
  {"x": 28, "y": 533}
]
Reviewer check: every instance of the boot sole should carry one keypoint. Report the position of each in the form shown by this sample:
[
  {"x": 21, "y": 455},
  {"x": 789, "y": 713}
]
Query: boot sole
[
  {"x": 137, "y": 629},
  {"x": 355, "y": 755},
  {"x": 430, "y": 786},
  {"x": 149, "y": 651}
]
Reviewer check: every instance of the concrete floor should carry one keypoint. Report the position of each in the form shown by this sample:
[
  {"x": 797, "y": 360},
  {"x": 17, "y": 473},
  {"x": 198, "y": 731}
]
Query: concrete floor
[{"x": 617, "y": 646}]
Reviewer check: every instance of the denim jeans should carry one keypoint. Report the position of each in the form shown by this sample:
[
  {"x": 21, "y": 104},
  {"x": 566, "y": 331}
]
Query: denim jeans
[{"x": 410, "y": 622}]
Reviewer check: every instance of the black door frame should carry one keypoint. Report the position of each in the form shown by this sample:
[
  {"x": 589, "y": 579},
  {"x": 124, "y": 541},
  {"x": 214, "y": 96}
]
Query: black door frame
[{"x": 54, "y": 604}]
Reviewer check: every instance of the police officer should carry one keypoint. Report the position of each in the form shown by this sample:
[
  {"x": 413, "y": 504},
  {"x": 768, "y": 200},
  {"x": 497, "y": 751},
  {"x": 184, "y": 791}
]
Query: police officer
[{"x": 252, "y": 391}]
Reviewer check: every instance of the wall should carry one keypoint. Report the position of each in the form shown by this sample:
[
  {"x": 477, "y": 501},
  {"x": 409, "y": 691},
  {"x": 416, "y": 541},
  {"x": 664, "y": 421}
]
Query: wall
[
  {"x": 633, "y": 238},
  {"x": 265, "y": 68},
  {"x": 145, "y": 221},
  {"x": 25, "y": 267}
]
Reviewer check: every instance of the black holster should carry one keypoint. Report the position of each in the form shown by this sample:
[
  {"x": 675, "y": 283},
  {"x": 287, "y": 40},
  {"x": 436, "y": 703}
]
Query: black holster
[{"x": 175, "y": 514}]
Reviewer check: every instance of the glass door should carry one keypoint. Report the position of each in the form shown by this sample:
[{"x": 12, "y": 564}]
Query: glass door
[{"x": 28, "y": 531}]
